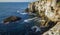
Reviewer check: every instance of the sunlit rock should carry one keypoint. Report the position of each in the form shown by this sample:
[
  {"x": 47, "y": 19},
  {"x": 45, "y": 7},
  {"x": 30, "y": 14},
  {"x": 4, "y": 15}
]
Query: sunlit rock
[
  {"x": 48, "y": 10},
  {"x": 54, "y": 31}
]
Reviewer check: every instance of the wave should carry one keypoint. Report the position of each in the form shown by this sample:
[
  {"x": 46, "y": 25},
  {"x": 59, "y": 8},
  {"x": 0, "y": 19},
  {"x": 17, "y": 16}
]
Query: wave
[
  {"x": 28, "y": 20},
  {"x": 36, "y": 27},
  {"x": 20, "y": 12}
]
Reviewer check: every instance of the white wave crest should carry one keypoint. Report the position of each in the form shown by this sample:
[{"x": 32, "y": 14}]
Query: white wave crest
[
  {"x": 23, "y": 13},
  {"x": 37, "y": 28},
  {"x": 27, "y": 20}
]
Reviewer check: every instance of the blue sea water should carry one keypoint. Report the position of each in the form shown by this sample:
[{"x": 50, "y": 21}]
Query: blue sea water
[
  {"x": 14, "y": 9},
  {"x": 8, "y": 9}
]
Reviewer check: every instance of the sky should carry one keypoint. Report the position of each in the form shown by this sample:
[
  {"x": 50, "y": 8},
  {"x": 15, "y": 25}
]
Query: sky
[{"x": 17, "y": 0}]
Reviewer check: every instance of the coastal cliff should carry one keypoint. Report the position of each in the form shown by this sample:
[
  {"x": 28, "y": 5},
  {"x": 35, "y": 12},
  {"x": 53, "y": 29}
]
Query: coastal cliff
[{"x": 48, "y": 10}]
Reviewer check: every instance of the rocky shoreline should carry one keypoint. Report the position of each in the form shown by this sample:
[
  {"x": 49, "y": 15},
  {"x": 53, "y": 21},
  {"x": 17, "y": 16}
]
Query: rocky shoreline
[{"x": 47, "y": 10}]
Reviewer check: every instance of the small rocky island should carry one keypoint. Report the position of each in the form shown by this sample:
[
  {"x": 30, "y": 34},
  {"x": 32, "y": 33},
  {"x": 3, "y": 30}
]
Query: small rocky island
[{"x": 11, "y": 19}]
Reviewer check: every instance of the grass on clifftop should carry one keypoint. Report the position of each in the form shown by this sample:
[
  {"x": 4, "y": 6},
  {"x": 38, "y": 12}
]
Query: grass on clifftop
[{"x": 58, "y": 3}]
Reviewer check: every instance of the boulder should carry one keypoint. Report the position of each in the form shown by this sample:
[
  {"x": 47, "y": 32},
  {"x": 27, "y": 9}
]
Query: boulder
[
  {"x": 27, "y": 10},
  {"x": 11, "y": 19}
]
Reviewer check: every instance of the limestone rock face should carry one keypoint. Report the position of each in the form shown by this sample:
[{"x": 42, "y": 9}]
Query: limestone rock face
[
  {"x": 47, "y": 7},
  {"x": 48, "y": 10},
  {"x": 54, "y": 31}
]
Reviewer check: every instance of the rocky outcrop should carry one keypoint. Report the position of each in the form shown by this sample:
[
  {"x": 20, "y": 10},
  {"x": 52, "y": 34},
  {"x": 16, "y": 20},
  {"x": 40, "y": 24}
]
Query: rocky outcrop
[
  {"x": 54, "y": 31},
  {"x": 47, "y": 7},
  {"x": 48, "y": 10},
  {"x": 11, "y": 19}
]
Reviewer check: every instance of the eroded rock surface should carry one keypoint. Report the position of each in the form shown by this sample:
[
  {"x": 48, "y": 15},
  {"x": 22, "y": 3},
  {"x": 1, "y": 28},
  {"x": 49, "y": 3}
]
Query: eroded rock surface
[
  {"x": 54, "y": 31},
  {"x": 48, "y": 10}
]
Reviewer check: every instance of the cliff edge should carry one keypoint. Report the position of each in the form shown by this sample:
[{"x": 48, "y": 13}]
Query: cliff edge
[{"x": 48, "y": 10}]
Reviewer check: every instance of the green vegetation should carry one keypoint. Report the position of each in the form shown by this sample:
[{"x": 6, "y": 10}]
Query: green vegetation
[{"x": 58, "y": 2}]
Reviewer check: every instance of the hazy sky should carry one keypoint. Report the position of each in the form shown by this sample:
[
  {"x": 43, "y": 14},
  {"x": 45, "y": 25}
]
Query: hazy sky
[{"x": 17, "y": 0}]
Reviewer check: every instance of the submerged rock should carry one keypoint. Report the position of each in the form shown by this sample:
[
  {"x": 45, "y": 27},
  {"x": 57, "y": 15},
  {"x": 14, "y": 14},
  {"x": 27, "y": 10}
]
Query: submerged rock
[{"x": 11, "y": 19}]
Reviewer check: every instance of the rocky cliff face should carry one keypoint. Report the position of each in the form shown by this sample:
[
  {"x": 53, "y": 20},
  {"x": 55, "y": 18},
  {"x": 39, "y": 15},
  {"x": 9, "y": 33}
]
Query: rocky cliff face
[
  {"x": 54, "y": 30},
  {"x": 49, "y": 7},
  {"x": 46, "y": 8}
]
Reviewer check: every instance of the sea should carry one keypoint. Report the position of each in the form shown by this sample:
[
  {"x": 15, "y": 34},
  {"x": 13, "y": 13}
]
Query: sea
[{"x": 21, "y": 27}]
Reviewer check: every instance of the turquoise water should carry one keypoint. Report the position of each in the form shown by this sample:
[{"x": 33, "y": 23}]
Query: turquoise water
[{"x": 15, "y": 9}]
